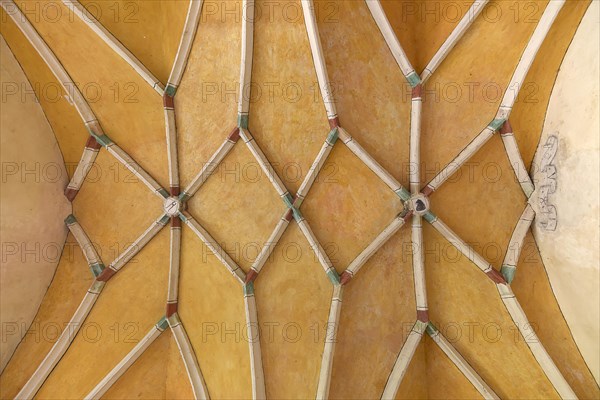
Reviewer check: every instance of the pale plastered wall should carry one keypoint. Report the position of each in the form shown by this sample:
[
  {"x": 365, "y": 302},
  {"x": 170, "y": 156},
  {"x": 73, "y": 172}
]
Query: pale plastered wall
[
  {"x": 32, "y": 204},
  {"x": 570, "y": 249}
]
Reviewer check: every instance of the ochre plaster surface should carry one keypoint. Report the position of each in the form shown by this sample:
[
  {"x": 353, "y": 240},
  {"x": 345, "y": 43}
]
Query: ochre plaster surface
[
  {"x": 161, "y": 370},
  {"x": 287, "y": 115},
  {"x": 71, "y": 280},
  {"x": 113, "y": 89},
  {"x": 348, "y": 207},
  {"x": 211, "y": 304},
  {"x": 149, "y": 29},
  {"x": 377, "y": 314},
  {"x": 348, "y": 212},
  {"x": 206, "y": 101},
  {"x": 415, "y": 382},
  {"x": 372, "y": 96},
  {"x": 466, "y": 307},
  {"x": 293, "y": 327},
  {"x": 130, "y": 305},
  {"x": 238, "y": 206}
]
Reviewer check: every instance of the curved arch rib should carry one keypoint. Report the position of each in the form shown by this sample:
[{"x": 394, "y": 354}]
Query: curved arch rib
[
  {"x": 88, "y": 157},
  {"x": 509, "y": 266},
  {"x": 185, "y": 46},
  {"x": 330, "y": 339},
  {"x": 133, "y": 249},
  {"x": 312, "y": 30},
  {"x": 61, "y": 346},
  {"x": 510, "y": 96},
  {"x": 189, "y": 357},
  {"x": 89, "y": 251},
  {"x": 512, "y": 305},
  {"x": 256, "y": 365},
  {"x": 392, "y": 41},
  {"x": 516, "y": 161},
  {"x": 537, "y": 349},
  {"x": 84, "y": 15}
]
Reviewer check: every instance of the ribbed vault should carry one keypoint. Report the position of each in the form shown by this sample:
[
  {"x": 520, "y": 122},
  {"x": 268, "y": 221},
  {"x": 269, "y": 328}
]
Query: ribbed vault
[{"x": 291, "y": 204}]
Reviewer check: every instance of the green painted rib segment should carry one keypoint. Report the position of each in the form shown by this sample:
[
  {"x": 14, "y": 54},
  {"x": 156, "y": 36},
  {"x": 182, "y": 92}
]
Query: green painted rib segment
[
  {"x": 243, "y": 121},
  {"x": 403, "y": 194},
  {"x": 430, "y": 217},
  {"x": 163, "y": 192},
  {"x": 249, "y": 289},
  {"x": 508, "y": 272},
  {"x": 420, "y": 326},
  {"x": 170, "y": 90},
  {"x": 184, "y": 197},
  {"x": 70, "y": 220},
  {"x": 162, "y": 324},
  {"x": 333, "y": 276},
  {"x": 183, "y": 217},
  {"x": 497, "y": 123},
  {"x": 103, "y": 139},
  {"x": 332, "y": 137},
  {"x": 297, "y": 214},
  {"x": 413, "y": 79},
  {"x": 164, "y": 219},
  {"x": 288, "y": 200},
  {"x": 97, "y": 268},
  {"x": 431, "y": 329}
]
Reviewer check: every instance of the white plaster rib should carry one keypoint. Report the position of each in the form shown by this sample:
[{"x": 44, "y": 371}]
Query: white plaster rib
[
  {"x": 171, "y": 136},
  {"x": 256, "y": 365},
  {"x": 329, "y": 347},
  {"x": 85, "y": 244},
  {"x": 517, "y": 163},
  {"x": 87, "y": 18},
  {"x": 369, "y": 161},
  {"x": 528, "y": 56},
  {"x": 128, "y": 162},
  {"x": 209, "y": 167},
  {"x": 138, "y": 244},
  {"x": 88, "y": 157},
  {"x": 247, "y": 52},
  {"x": 418, "y": 262},
  {"x": 312, "y": 30},
  {"x": 461, "y": 246},
  {"x": 174, "y": 263}
]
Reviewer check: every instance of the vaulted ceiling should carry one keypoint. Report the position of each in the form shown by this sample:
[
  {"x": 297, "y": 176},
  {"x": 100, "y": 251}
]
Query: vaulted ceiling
[{"x": 329, "y": 199}]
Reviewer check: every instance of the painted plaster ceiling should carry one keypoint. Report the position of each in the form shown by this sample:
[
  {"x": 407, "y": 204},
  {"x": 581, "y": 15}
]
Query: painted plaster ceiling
[{"x": 297, "y": 199}]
